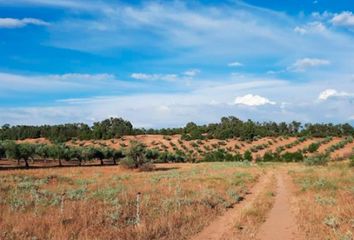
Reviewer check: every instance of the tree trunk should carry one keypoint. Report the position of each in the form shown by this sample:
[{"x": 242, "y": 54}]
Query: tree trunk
[
  {"x": 60, "y": 164},
  {"x": 18, "y": 161},
  {"x": 114, "y": 161},
  {"x": 101, "y": 161},
  {"x": 26, "y": 162}
]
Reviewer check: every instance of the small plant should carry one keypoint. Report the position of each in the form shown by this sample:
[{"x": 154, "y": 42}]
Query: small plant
[
  {"x": 331, "y": 221},
  {"x": 318, "y": 159},
  {"x": 313, "y": 147},
  {"x": 351, "y": 163}
]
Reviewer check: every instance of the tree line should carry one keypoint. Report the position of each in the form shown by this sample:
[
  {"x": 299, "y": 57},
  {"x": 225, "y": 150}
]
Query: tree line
[{"x": 228, "y": 127}]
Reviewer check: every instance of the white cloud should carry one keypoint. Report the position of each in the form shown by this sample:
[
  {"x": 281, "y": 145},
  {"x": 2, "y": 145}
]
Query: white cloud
[
  {"x": 235, "y": 64},
  {"x": 175, "y": 109},
  {"x": 155, "y": 77},
  {"x": 302, "y": 64},
  {"x": 191, "y": 72},
  {"x": 312, "y": 27},
  {"x": 330, "y": 93},
  {"x": 252, "y": 100},
  {"x": 345, "y": 19},
  {"x": 18, "y": 23}
]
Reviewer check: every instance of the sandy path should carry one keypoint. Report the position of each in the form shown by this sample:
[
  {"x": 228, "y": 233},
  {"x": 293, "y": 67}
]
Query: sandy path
[
  {"x": 281, "y": 223},
  {"x": 224, "y": 224}
]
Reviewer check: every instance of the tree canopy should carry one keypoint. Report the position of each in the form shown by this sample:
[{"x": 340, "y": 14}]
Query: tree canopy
[{"x": 228, "y": 127}]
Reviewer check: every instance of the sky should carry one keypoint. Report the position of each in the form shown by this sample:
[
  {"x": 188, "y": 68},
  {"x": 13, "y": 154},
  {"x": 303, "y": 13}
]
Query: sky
[{"x": 166, "y": 63}]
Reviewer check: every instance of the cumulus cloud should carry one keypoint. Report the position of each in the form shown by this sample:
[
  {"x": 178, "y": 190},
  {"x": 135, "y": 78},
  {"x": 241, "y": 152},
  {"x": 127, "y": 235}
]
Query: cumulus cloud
[
  {"x": 345, "y": 19},
  {"x": 302, "y": 64},
  {"x": 19, "y": 23},
  {"x": 330, "y": 93},
  {"x": 235, "y": 64},
  {"x": 252, "y": 100},
  {"x": 154, "y": 77}
]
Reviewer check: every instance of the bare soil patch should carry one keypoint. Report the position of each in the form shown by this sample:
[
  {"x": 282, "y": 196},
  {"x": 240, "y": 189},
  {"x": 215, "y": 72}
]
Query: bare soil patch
[{"x": 281, "y": 222}]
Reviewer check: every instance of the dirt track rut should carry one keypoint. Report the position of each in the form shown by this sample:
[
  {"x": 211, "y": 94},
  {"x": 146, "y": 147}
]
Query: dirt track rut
[{"x": 224, "y": 224}]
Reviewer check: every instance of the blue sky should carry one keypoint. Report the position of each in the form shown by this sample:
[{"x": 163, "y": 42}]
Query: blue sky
[{"x": 165, "y": 63}]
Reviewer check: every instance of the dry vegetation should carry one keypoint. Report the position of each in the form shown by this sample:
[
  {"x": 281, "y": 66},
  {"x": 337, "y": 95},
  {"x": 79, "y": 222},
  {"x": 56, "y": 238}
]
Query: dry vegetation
[
  {"x": 176, "y": 201},
  {"x": 101, "y": 202},
  {"x": 325, "y": 198}
]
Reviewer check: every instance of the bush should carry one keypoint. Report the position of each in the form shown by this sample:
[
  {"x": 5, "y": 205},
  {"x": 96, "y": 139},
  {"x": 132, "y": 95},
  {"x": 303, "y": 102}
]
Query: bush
[
  {"x": 247, "y": 156},
  {"x": 221, "y": 155},
  {"x": 292, "y": 156},
  {"x": 351, "y": 163},
  {"x": 313, "y": 147},
  {"x": 318, "y": 159},
  {"x": 268, "y": 156}
]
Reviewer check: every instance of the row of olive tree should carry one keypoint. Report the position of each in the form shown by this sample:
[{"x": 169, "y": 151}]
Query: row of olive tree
[
  {"x": 135, "y": 156},
  {"x": 26, "y": 152}
]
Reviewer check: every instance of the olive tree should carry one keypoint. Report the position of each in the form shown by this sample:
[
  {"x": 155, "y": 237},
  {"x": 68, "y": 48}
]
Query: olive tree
[
  {"x": 2, "y": 150},
  {"x": 58, "y": 152},
  {"x": 135, "y": 156},
  {"x": 11, "y": 151},
  {"x": 26, "y": 151},
  {"x": 42, "y": 151},
  {"x": 99, "y": 153}
]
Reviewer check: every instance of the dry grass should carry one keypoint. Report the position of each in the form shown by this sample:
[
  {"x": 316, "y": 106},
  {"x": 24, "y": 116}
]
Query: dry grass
[
  {"x": 325, "y": 198},
  {"x": 100, "y": 202}
]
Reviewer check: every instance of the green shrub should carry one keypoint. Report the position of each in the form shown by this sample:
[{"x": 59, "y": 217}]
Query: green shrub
[
  {"x": 247, "y": 156},
  {"x": 313, "y": 147},
  {"x": 221, "y": 155},
  {"x": 351, "y": 163},
  {"x": 268, "y": 156},
  {"x": 292, "y": 156},
  {"x": 318, "y": 159}
]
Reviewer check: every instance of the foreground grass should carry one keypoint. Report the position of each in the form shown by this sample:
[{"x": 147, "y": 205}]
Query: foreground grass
[
  {"x": 325, "y": 197},
  {"x": 101, "y": 203}
]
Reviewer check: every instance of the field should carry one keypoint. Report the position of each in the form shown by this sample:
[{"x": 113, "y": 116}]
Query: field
[
  {"x": 176, "y": 201},
  {"x": 218, "y": 197},
  {"x": 195, "y": 150}
]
